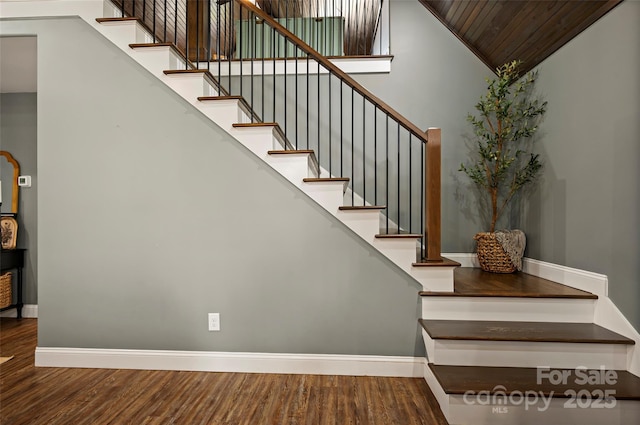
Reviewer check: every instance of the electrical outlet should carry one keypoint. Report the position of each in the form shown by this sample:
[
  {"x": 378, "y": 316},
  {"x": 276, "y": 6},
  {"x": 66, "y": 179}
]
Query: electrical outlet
[{"x": 214, "y": 321}]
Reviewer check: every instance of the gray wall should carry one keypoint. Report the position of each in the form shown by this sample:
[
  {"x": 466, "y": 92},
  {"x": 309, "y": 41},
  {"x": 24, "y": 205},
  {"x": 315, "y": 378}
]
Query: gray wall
[
  {"x": 18, "y": 121},
  {"x": 149, "y": 217},
  {"x": 585, "y": 213}
]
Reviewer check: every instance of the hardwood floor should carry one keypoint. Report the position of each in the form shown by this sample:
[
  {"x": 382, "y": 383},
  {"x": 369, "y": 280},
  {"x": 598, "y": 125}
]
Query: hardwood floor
[{"x": 51, "y": 396}]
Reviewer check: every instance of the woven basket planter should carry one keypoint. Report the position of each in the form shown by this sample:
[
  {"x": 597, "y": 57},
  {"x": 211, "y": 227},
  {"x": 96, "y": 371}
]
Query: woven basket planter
[
  {"x": 491, "y": 256},
  {"x": 5, "y": 290}
]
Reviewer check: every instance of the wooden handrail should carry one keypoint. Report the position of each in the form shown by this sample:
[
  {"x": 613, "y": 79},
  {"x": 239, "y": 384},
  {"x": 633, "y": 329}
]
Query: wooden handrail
[{"x": 335, "y": 70}]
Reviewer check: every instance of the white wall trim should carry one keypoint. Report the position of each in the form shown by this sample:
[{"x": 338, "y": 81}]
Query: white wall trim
[
  {"x": 29, "y": 311},
  {"x": 316, "y": 364},
  {"x": 575, "y": 278}
]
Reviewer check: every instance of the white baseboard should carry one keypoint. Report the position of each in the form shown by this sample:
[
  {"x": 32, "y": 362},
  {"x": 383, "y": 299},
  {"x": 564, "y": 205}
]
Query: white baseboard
[
  {"x": 315, "y": 364},
  {"x": 29, "y": 311},
  {"x": 575, "y": 278}
]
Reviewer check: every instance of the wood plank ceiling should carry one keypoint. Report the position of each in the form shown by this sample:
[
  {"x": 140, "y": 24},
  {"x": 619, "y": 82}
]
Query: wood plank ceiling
[{"x": 499, "y": 31}]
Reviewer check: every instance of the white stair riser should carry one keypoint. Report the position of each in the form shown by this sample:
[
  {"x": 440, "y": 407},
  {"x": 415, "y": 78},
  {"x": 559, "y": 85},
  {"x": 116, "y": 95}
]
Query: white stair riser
[
  {"x": 525, "y": 354},
  {"x": 225, "y": 113},
  {"x": 189, "y": 86},
  {"x": 436, "y": 279},
  {"x": 157, "y": 59},
  {"x": 508, "y": 309},
  {"x": 123, "y": 33},
  {"x": 401, "y": 251},
  {"x": 259, "y": 140},
  {"x": 293, "y": 167},
  {"x": 365, "y": 224},
  {"x": 330, "y": 195}
]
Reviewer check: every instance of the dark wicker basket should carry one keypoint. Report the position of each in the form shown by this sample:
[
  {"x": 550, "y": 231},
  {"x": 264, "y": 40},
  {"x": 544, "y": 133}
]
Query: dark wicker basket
[
  {"x": 491, "y": 255},
  {"x": 5, "y": 290}
]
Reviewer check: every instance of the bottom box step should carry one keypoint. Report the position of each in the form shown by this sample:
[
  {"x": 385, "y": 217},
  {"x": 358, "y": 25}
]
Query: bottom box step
[{"x": 504, "y": 395}]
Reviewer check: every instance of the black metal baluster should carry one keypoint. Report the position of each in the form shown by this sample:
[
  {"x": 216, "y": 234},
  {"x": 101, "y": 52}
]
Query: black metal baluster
[
  {"x": 286, "y": 61},
  {"x": 307, "y": 93},
  {"x": 375, "y": 154},
  {"x": 398, "y": 177},
  {"x": 164, "y": 21},
  {"x": 353, "y": 142},
  {"x": 262, "y": 114},
  {"x": 186, "y": 33},
  {"x": 209, "y": 39},
  {"x": 387, "y": 175},
  {"x": 295, "y": 26},
  {"x": 241, "y": 56},
  {"x": 342, "y": 127},
  {"x": 273, "y": 59},
  {"x": 364, "y": 152},
  {"x": 218, "y": 42},
  {"x": 230, "y": 38},
  {"x": 422, "y": 212},
  {"x": 175, "y": 28},
  {"x": 154, "y": 21},
  {"x": 348, "y": 25},
  {"x": 330, "y": 127},
  {"x": 296, "y": 50},
  {"x": 318, "y": 113},
  {"x": 410, "y": 181},
  {"x": 197, "y": 35}
]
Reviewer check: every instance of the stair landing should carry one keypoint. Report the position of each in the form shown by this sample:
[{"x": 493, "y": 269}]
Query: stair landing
[{"x": 474, "y": 282}]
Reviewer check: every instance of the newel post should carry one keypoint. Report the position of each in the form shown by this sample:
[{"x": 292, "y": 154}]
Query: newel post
[{"x": 433, "y": 195}]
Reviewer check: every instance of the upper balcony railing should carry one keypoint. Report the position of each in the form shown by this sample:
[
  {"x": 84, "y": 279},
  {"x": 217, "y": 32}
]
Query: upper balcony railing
[{"x": 389, "y": 161}]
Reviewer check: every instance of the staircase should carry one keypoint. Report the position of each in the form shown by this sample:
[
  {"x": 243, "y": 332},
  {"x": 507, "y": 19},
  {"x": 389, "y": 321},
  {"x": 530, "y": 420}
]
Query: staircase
[{"x": 501, "y": 349}]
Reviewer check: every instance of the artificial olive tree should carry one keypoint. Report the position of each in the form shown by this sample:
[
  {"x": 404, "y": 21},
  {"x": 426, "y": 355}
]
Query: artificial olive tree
[{"x": 508, "y": 116}]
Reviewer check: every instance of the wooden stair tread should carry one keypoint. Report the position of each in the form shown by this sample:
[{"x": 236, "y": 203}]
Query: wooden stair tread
[
  {"x": 254, "y": 124},
  {"x": 236, "y": 97},
  {"x": 473, "y": 282},
  {"x": 145, "y": 45},
  {"x": 442, "y": 262},
  {"x": 123, "y": 19},
  {"x": 185, "y": 71},
  {"x": 276, "y": 127},
  {"x": 460, "y": 379},
  {"x": 398, "y": 236},
  {"x": 205, "y": 73},
  {"x": 522, "y": 331},
  {"x": 361, "y": 207},
  {"x": 291, "y": 152},
  {"x": 325, "y": 179}
]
